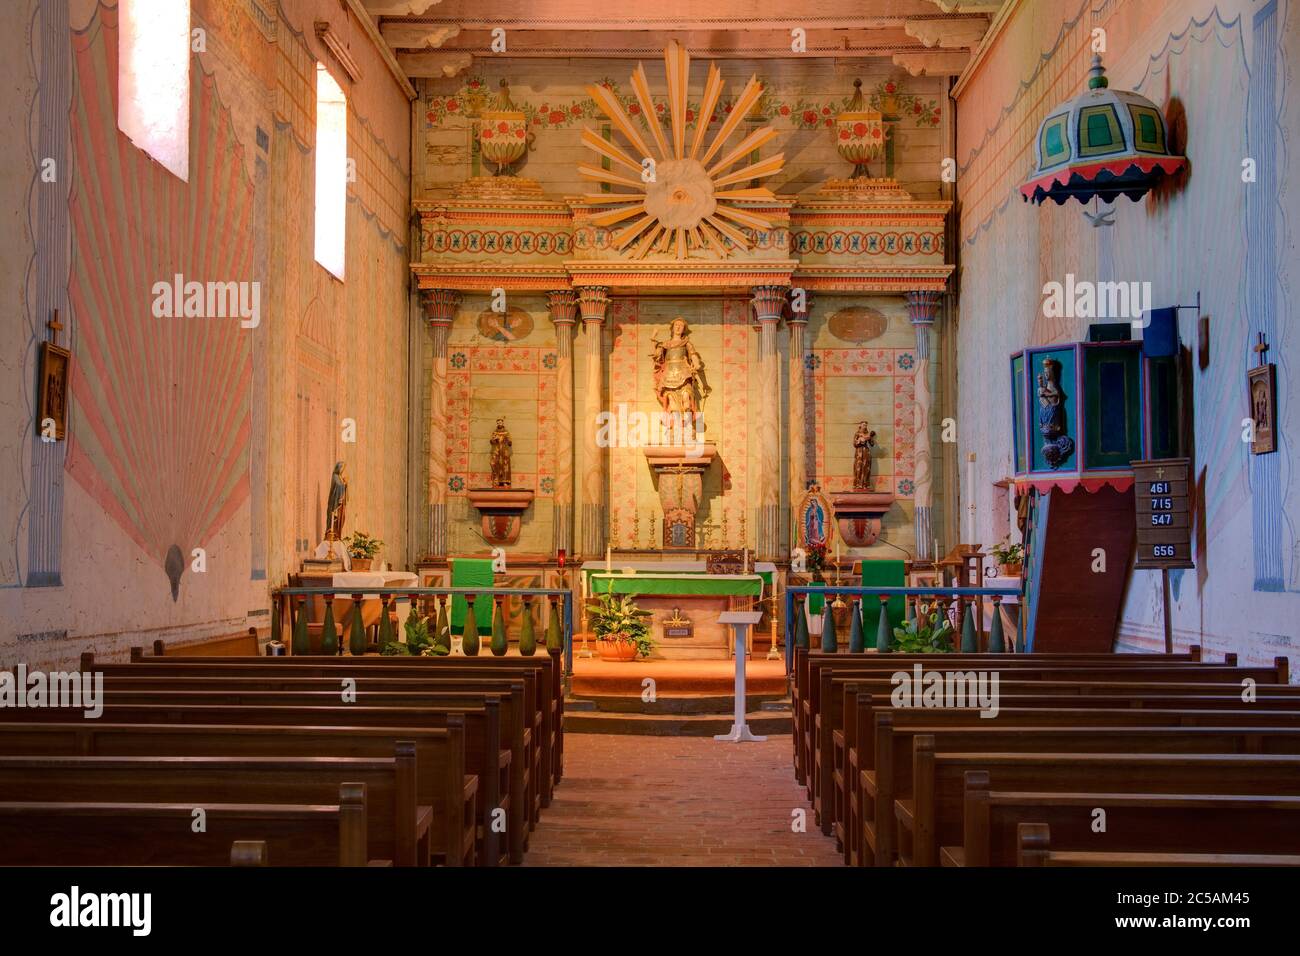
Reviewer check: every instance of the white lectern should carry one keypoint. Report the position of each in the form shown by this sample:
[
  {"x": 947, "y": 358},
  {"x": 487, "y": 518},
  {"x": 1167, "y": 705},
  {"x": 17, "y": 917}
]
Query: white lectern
[{"x": 741, "y": 622}]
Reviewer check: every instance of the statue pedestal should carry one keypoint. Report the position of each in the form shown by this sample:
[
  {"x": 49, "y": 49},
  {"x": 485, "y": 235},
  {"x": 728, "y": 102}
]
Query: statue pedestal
[
  {"x": 501, "y": 510},
  {"x": 858, "y": 514},
  {"x": 679, "y": 473}
]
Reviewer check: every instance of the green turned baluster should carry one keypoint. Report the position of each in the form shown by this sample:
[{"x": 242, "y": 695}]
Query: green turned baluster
[
  {"x": 443, "y": 637},
  {"x": 997, "y": 640},
  {"x": 527, "y": 636},
  {"x": 855, "y": 627},
  {"x": 385, "y": 625},
  {"x": 329, "y": 634},
  {"x": 830, "y": 640},
  {"x": 301, "y": 643},
  {"x": 970, "y": 642},
  {"x": 883, "y": 637},
  {"x": 357, "y": 635},
  {"x": 277, "y": 608},
  {"x": 469, "y": 642},
  {"x": 554, "y": 634},
  {"x": 800, "y": 623},
  {"x": 499, "y": 642}
]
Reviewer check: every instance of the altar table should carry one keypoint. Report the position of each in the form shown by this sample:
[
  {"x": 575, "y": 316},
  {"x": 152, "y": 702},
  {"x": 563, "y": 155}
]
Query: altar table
[{"x": 697, "y": 596}]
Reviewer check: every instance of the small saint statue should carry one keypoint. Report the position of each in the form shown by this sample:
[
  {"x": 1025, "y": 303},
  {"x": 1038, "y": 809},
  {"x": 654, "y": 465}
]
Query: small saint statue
[
  {"x": 336, "y": 509},
  {"x": 864, "y": 439},
  {"x": 1052, "y": 422},
  {"x": 679, "y": 381},
  {"x": 500, "y": 460}
]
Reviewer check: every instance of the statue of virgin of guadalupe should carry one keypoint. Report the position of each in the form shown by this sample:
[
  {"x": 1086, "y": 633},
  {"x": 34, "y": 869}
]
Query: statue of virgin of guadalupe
[{"x": 679, "y": 374}]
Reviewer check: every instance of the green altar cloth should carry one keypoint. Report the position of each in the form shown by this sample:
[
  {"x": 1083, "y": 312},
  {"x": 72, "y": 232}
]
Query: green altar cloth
[
  {"x": 590, "y": 573},
  {"x": 472, "y": 573},
  {"x": 737, "y": 585},
  {"x": 885, "y": 573}
]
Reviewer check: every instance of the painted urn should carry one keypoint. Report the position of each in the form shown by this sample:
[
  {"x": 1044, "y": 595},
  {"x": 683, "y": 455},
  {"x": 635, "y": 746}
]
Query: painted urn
[
  {"x": 859, "y": 133},
  {"x": 503, "y": 131}
]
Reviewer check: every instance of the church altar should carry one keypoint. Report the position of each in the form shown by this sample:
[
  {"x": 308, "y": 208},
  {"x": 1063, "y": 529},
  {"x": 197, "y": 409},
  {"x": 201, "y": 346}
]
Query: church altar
[{"x": 676, "y": 591}]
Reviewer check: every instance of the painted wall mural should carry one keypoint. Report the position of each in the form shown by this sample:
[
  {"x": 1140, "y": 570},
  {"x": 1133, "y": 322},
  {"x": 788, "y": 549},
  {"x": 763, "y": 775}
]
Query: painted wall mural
[{"x": 161, "y": 403}]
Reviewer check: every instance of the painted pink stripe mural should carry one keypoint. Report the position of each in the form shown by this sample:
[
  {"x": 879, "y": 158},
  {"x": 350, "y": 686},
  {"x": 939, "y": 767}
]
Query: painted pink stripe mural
[{"x": 160, "y": 405}]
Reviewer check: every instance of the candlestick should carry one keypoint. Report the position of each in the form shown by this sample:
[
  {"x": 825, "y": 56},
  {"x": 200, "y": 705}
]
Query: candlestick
[{"x": 970, "y": 508}]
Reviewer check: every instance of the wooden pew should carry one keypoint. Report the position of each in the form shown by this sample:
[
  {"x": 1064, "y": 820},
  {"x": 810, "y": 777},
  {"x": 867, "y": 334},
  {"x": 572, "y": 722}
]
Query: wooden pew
[
  {"x": 487, "y": 752},
  {"x": 806, "y": 661},
  {"x": 441, "y": 781},
  {"x": 549, "y": 664},
  {"x": 397, "y": 828},
  {"x": 822, "y": 722},
  {"x": 1035, "y": 849},
  {"x": 942, "y": 778},
  {"x": 903, "y": 785},
  {"x": 516, "y": 693},
  {"x": 545, "y": 671},
  {"x": 34, "y": 833},
  {"x": 857, "y": 752},
  {"x": 1142, "y": 822},
  {"x": 514, "y": 738},
  {"x": 812, "y": 680}
]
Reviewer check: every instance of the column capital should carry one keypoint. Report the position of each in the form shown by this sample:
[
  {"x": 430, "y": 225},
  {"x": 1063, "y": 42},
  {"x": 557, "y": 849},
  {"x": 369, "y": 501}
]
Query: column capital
[
  {"x": 768, "y": 302},
  {"x": 800, "y": 315},
  {"x": 593, "y": 301},
  {"x": 563, "y": 304},
  {"x": 923, "y": 307},
  {"x": 439, "y": 305}
]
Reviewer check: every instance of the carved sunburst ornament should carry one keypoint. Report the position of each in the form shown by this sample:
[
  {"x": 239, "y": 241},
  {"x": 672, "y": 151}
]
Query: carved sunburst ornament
[{"x": 681, "y": 198}]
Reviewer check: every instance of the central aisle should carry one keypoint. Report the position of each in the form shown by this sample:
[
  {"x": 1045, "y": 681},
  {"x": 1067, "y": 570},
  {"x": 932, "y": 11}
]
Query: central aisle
[{"x": 677, "y": 801}]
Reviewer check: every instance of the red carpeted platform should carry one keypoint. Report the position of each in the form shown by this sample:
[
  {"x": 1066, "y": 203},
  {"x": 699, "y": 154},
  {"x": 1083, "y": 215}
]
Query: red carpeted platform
[{"x": 597, "y": 678}]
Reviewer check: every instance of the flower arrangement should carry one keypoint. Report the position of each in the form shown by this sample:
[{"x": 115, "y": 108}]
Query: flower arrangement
[
  {"x": 1010, "y": 557},
  {"x": 619, "y": 619},
  {"x": 362, "y": 549},
  {"x": 930, "y": 632}
]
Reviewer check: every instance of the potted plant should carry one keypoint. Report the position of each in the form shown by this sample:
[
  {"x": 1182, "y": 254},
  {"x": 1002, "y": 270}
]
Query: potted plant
[
  {"x": 419, "y": 642},
  {"x": 930, "y": 632},
  {"x": 621, "y": 628},
  {"x": 1010, "y": 558},
  {"x": 362, "y": 549}
]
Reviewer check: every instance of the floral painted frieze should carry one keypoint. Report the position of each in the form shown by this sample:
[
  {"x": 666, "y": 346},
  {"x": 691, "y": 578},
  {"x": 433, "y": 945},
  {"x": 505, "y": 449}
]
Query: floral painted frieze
[{"x": 802, "y": 113}]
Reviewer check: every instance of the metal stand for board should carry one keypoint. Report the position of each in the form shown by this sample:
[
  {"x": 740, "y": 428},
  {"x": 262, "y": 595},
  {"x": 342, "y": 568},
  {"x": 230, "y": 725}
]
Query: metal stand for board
[{"x": 741, "y": 622}]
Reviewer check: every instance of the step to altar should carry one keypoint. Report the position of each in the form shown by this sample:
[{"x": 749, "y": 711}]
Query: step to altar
[
  {"x": 762, "y": 723},
  {"x": 593, "y": 677},
  {"x": 666, "y": 706}
]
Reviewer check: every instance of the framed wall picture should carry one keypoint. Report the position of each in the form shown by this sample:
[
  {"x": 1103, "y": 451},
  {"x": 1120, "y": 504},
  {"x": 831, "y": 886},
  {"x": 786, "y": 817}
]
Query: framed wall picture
[
  {"x": 1262, "y": 386},
  {"x": 52, "y": 400}
]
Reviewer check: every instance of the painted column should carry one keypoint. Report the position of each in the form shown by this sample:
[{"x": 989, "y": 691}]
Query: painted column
[
  {"x": 564, "y": 310},
  {"x": 768, "y": 302},
  {"x": 922, "y": 309},
  {"x": 440, "y": 307},
  {"x": 797, "y": 323},
  {"x": 593, "y": 301}
]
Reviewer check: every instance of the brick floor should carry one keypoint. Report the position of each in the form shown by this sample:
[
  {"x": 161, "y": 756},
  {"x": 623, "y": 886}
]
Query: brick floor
[{"x": 677, "y": 801}]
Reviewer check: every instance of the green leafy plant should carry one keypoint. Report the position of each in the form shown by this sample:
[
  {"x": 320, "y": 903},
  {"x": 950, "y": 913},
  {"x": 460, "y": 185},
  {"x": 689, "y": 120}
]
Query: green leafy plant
[
  {"x": 1007, "y": 553},
  {"x": 929, "y": 633},
  {"x": 613, "y": 618},
  {"x": 361, "y": 545}
]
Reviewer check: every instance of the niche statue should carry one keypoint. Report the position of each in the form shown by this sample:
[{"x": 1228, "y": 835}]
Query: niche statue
[
  {"x": 1057, "y": 445},
  {"x": 679, "y": 381},
  {"x": 864, "y": 439},
  {"x": 336, "y": 509},
  {"x": 500, "y": 459}
]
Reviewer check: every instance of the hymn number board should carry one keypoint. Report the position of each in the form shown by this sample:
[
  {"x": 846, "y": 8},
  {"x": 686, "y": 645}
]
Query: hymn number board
[{"x": 1163, "y": 514}]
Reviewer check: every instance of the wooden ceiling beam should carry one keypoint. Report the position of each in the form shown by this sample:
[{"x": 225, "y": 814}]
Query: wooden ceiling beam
[
  {"x": 947, "y": 63},
  {"x": 435, "y": 63},
  {"x": 949, "y": 34}
]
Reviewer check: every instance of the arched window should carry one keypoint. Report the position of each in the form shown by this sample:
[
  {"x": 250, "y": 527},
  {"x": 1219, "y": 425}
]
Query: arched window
[
  {"x": 331, "y": 171},
  {"x": 153, "y": 79}
]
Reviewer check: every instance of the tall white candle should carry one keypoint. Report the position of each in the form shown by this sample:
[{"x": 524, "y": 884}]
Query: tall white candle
[
  {"x": 970, "y": 490},
  {"x": 609, "y": 562}
]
